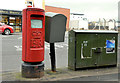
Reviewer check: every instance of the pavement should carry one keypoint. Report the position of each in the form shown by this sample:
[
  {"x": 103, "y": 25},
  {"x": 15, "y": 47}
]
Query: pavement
[{"x": 62, "y": 74}]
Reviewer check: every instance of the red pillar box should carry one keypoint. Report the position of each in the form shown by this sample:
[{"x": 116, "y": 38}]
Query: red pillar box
[{"x": 33, "y": 37}]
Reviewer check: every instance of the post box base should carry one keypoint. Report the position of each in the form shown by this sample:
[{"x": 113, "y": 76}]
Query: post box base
[{"x": 30, "y": 70}]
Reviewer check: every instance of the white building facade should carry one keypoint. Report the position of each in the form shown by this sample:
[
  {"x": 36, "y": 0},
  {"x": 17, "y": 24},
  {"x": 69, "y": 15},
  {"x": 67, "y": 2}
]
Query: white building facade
[{"x": 78, "y": 21}]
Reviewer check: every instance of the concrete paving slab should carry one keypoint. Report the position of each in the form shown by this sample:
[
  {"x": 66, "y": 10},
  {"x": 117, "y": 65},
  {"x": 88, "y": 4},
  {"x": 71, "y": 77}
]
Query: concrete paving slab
[{"x": 61, "y": 74}]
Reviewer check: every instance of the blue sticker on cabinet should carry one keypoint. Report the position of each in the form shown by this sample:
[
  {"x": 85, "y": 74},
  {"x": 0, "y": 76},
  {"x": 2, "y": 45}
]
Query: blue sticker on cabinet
[{"x": 110, "y": 44}]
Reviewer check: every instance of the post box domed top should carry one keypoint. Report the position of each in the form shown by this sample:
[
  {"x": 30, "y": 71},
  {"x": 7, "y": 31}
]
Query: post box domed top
[{"x": 51, "y": 14}]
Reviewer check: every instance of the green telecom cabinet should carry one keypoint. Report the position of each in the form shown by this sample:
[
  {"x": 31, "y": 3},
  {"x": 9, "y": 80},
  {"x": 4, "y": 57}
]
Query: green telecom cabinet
[{"x": 89, "y": 48}]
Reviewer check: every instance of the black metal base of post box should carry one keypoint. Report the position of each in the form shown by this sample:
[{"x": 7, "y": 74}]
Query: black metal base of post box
[{"x": 32, "y": 70}]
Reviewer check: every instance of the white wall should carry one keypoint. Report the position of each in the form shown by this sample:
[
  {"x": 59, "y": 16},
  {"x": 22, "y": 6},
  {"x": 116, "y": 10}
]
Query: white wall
[{"x": 78, "y": 22}]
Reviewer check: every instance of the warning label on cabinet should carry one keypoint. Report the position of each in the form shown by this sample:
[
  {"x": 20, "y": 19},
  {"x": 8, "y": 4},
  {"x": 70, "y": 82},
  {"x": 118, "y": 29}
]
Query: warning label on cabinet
[{"x": 110, "y": 46}]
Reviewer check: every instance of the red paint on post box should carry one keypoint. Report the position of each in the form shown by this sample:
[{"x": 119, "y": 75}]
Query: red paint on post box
[{"x": 33, "y": 35}]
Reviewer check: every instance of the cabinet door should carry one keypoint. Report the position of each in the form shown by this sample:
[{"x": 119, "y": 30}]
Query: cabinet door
[
  {"x": 108, "y": 44},
  {"x": 85, "y": 45}
]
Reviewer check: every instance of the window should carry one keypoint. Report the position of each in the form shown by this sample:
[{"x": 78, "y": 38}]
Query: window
[
  {"x": 18, "y": 22},
  {"x": 0, "y": 18},
  {"x": 12, "y": 21},
  {"x": 5, "y": 19}
]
